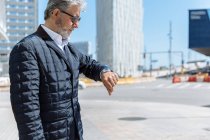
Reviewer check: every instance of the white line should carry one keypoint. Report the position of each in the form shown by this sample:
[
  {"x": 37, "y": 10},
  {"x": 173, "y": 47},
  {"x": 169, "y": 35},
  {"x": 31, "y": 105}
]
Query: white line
[
  {"x": 160, "y": 86},
  {"x": 197, "y": 86},
  {"x": 184, "y": 85},
  {"x": 173, "y": 85}
]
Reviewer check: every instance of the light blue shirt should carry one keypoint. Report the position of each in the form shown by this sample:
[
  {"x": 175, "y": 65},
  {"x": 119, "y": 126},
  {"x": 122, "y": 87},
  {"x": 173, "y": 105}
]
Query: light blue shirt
[{"x": 57, "y": 38}]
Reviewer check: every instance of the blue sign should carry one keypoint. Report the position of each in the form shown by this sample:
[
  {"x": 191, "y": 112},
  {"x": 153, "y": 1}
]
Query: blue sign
[{"x": 199, "y": 31}]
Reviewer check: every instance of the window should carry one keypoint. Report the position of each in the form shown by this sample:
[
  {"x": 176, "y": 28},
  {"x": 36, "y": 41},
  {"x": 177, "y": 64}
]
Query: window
[
  {"x": 31, "y": 14},
  {"x": 31, "y": 21},
  {"x": 11, "y": 20},
  {"x": 11, "y": 13},
  {"x": 11, "y": 27},
  {"x": 22, "y": 13},
  {"x": 22, "y": 6},
  {"x": 21, "y": 20},
  {"x": 11, "y": 6}
]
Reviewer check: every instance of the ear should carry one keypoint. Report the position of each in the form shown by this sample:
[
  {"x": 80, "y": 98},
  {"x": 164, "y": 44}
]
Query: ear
[{"x": 55, "y": 12}]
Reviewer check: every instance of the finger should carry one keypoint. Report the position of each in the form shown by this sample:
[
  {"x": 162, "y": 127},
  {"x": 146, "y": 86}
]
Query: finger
[
  {"x": 116, "y": 76},
  {"x": 110, "y": 90},
  {"x": 111, "y": 81},
  {"x": 108, "y": 85},
  {"x": 114, "y": 79}
]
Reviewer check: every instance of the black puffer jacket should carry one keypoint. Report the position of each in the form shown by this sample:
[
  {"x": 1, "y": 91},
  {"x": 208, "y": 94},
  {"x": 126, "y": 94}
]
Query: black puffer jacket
[{"x": 44, "y": 87}]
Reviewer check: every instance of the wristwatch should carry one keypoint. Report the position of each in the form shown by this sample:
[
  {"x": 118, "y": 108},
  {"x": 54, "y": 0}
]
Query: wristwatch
[{"x": 106, "y": 69}]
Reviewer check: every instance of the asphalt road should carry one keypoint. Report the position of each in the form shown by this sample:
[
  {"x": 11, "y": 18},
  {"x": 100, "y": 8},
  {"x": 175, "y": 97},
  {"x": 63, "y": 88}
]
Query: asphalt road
[
  {"x": 161, "y": 90},
  {"x": 157, "y": 110}
]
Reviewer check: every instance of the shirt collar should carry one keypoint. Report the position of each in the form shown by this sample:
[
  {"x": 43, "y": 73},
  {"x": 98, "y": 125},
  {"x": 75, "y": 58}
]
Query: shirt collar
[{"x": 57, "y": 38}]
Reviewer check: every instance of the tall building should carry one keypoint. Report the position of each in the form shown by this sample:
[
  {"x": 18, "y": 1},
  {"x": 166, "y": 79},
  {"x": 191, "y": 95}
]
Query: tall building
[
  {"x": 2, "y": 20},
  {"x": 83, "y": 47},
  {"x": 21, "y": 20},
  {"x": 120, "y": 35},
  {"x": 21, "y": 17}
]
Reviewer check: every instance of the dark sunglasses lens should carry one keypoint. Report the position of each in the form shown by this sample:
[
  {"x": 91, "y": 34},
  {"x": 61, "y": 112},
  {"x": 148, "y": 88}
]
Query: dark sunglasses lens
[{"x": 75, "y": 19}]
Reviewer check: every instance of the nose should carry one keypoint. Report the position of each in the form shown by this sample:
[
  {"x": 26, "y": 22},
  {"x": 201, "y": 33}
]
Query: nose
[{"x": 76, "y": 24}]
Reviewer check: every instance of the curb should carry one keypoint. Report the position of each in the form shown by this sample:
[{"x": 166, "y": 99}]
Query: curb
[
  {"x": 90, "y": 83},
  {"x": 3, "y": 89},
  {"x": 129, "y": 80}
]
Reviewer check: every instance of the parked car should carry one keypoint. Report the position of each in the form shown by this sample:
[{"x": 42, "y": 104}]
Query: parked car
[
  {"x": 4, "y": 82},
  {"x": 81, "y": 85}
]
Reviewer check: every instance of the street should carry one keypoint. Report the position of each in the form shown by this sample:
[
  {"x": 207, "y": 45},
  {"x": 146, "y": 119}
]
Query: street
[
  {"x": 161, "y": 90},
  {"x": 157, "y": 110}
]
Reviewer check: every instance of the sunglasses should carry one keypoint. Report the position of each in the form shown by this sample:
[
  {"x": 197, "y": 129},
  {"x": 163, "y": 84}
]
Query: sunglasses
[{"x": 74, "y": 19}]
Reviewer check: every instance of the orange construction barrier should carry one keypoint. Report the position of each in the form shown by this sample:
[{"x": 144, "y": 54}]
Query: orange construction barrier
[
  {"x": 176, "y": 79},
  {"x": 206, "y": 79},
  {"x": 192, "y": 79}
]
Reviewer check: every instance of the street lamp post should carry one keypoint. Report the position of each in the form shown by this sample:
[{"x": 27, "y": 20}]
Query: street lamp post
[{"x": 170, "y": 46}]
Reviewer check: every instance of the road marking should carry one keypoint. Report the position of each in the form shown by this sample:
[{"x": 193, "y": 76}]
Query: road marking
[
  {"x": 160, "y": 86},
  {"x": 184, "y": 85},
  {"x": 197, "y": 86},
  {"x": 173, "y": 85}
]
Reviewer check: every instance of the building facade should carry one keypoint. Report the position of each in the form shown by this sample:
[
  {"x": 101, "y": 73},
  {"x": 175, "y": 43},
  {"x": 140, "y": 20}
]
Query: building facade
[
  {"x": 21, "y": 20},
  {"x": 83, "y": 47},
  {"x": 2, "y": 20},
  {"x": 120, "y": 35}
]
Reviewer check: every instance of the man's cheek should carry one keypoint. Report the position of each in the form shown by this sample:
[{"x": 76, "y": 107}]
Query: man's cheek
[{"x": 69, "y": 22}]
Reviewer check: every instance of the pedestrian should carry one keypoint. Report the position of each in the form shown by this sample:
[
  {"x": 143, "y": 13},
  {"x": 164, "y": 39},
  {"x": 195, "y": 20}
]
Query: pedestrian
[{"x": 44, "y": 69}]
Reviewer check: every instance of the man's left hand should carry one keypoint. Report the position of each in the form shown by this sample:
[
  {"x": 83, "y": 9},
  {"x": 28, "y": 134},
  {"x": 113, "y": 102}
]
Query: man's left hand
[{"x": 109, "y": 80}]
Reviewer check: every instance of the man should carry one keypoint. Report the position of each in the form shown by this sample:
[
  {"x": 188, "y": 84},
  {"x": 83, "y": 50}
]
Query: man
[{"x": 44, "y": 70}]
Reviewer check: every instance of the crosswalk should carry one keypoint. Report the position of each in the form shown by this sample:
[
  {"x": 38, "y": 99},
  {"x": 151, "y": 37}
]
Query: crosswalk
[{"x": 176, "y": 86}]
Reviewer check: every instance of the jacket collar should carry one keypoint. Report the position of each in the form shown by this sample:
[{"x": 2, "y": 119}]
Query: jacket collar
[
  {"x": 50, "y": 43},
  {"x": 43, "y": 34}
]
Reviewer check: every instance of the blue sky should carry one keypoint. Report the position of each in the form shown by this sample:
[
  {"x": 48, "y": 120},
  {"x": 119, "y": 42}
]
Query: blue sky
[{"x": 157, "y": 15}]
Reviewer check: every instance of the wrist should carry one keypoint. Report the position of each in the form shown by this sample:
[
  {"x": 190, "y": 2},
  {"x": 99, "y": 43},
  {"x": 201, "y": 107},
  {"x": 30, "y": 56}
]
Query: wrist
[{"x": 104, "y": 71}]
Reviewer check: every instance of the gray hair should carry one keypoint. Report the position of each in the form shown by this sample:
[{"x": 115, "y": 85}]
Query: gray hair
[{"x": 62, "y": 5}]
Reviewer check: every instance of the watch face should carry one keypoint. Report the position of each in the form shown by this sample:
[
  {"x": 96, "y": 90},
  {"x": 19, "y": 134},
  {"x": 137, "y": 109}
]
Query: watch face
[{"x": 106, "y": 70}]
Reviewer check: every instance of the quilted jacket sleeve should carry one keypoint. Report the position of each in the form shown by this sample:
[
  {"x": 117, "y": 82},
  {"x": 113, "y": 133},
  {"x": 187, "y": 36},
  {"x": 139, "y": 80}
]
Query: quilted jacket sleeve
[
  {"x": 89, "y": 67},
  {"x": 24, "y": 92}
]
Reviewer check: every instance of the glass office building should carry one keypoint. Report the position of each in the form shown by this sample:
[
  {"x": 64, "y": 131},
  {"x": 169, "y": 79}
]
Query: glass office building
[
  {"x": 2, "y": 20},
  {"x": 83, "y": 47},
  {"x": 120, "y": 35},
  {"x": 199, "y": 30},
  {"x": 21, "y": 20}
]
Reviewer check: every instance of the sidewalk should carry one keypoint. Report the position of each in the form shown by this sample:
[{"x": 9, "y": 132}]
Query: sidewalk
[
  {"x": 121, "y": 120},
  {"x": 116, "y": 120}
]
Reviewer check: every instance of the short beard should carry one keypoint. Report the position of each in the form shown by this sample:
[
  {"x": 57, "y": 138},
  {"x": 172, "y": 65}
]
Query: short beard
[{"x": 63, "y": 32}]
